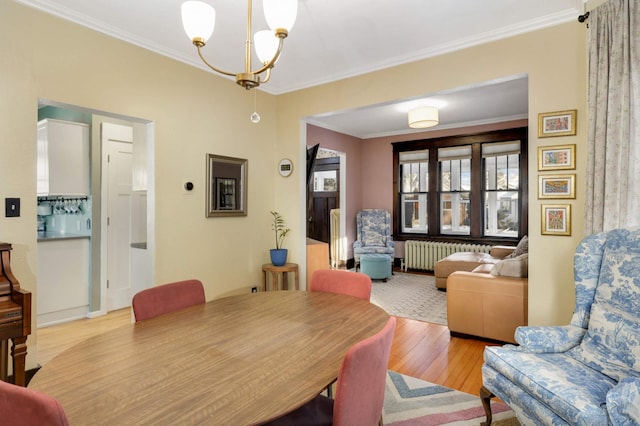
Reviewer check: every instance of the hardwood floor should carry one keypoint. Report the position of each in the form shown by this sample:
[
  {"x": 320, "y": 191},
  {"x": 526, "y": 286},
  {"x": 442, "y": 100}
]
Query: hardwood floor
[{"x": 419, "y": 349}]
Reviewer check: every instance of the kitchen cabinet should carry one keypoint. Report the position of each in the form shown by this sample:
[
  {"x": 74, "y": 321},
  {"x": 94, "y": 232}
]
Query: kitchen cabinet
[
  {"x": 63, "y": 165},
  {"x": 63, "y": 280}
]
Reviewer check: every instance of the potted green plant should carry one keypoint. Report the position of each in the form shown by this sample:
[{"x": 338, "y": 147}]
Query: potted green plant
[{"x": 279, "y": 254}]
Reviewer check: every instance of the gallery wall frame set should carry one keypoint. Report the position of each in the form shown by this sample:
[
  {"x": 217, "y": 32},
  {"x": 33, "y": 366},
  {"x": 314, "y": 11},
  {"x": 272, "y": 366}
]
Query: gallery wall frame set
[
  {"x": 557, "y": 157},
  {"x": 556, "y": 219},
  {"x": 557, "y": 186},
  {"x": 557, "y": 123}
]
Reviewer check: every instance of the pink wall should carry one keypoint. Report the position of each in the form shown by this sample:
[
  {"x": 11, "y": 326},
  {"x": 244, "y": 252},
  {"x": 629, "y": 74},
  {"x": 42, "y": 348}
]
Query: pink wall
[
  {"x": 352, "y": 147},
  {"x": 370, "y": 166}
]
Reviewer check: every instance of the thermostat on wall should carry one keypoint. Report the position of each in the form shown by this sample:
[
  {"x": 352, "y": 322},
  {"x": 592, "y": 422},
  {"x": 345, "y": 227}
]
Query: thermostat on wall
[{"x": 285, "y": 167}]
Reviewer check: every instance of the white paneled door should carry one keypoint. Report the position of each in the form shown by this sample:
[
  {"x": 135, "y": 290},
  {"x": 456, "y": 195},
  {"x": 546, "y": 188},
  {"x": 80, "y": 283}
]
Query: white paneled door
[{"x": 119, "y": 144}]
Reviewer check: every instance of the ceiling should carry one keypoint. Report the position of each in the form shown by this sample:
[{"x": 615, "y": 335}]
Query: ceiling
[{"x": 336, "y": 39}]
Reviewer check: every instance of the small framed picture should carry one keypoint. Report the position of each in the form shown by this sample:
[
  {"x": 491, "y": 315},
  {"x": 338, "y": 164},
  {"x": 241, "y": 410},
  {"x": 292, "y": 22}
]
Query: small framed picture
[
  {"x": 556, "y": 219},
  {"x": 558, "y": 157},
  {"x": 558, "y": 123},
  {"x": 557, "y": 186}
]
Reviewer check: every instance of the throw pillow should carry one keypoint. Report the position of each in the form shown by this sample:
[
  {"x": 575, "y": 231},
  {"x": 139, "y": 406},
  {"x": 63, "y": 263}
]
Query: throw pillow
[
  {"x": 516, "y": 267},
  {"x": 521, "y": 248}
]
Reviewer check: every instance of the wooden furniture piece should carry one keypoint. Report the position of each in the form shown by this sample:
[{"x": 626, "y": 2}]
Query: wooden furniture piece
[
  {"x": 162, "y": 299},
  {"x": 238, "y": 360},
  {"x": 15, "y": 319},
  {"x": 317, "y": 257},
  {"x": 277, "y": 272}
]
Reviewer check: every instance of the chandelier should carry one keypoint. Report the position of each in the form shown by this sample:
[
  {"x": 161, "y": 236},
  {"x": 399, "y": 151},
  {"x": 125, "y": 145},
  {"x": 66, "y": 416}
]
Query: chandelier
[{"x": 198, "y": 19}]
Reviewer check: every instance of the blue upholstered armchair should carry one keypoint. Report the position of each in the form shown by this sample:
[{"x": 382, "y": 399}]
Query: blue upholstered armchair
[
  {"x": 587, "y": 372},
  {"x": 373, "y": 234}
]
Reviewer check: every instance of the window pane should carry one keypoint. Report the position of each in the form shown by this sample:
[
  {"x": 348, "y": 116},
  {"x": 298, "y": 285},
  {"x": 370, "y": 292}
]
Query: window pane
[
  {"x": 414, "y": 213},
  {"x": 454, "y": 213},
  {"x": 445, "y": 175},
  {"x": 490, "y": 173},
  {"x": 465, "y": 175},
  {"x": 501, "y": 214},
  {"x": 325, "y": 181},
  {"x": 415, "y": 177},
  {"x": 514, "y": 171}
]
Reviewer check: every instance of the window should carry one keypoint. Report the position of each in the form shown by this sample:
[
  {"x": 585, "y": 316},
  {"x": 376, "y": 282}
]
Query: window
[
  {"x": 501, "y": 185},
  {"x": 415, "y": 179},
  {"x": 455, "y": 187},
  {"x": 470, "y": 188}
]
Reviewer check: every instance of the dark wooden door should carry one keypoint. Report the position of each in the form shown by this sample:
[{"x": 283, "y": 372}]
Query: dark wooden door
[{"x": 323, "y": 195}]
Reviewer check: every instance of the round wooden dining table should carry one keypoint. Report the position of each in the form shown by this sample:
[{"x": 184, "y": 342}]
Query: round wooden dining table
[{"x": 237, "y": 360}]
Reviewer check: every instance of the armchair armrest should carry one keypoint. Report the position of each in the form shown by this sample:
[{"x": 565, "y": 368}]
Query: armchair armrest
[
  {"x": 357, "y": 244},
  {"x": 549, "y": 339},
  {"x": 500, "y": 252},
  {"x": 623, "y": 402}
]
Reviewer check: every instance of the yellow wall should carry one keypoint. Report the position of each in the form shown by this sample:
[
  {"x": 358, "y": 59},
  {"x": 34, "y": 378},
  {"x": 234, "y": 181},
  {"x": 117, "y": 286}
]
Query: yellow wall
[
  {"x": 194, "y": 112},
  {"x": 555, "y": 61},
  {"x": 197, "y": 113}
]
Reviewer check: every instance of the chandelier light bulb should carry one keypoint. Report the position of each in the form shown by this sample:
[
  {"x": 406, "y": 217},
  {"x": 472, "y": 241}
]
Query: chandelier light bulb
[
  {"x": 198, "y": 20},
  {"x": 255, "y": 117},
  {"x": 280, "y": 14}
]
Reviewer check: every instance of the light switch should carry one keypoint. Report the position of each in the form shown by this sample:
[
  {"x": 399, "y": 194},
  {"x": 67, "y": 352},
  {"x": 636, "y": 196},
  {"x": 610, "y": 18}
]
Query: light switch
[{"x": 12, "y": 207}]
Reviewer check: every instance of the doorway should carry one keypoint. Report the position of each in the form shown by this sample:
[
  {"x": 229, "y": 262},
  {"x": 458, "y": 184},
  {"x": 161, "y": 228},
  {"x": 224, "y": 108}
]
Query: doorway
[
  {"x": 325, "y": 200},
  {"x": 141, "y": 221}
]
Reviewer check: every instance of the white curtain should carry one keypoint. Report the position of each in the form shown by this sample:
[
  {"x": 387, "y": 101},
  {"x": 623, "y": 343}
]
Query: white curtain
[{"x": 613, "y": 137}]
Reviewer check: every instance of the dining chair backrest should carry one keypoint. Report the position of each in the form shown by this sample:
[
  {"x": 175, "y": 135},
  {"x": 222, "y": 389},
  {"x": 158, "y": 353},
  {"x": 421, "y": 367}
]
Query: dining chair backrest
[
  {"x": 167, "y": 298},
  {"x": 339, "y": 281},
  {"x": 28, "y": 407},
  {"x": 362, "y": 379}
]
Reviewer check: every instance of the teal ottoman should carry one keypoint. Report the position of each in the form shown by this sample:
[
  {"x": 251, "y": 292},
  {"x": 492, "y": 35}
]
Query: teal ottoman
[{"x": 377, "y": 266}]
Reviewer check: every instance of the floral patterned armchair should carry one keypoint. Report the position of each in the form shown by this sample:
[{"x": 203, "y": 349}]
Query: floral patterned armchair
[
  {"x": 373, "y": 234},
  {"x": 587, "y": 372}
]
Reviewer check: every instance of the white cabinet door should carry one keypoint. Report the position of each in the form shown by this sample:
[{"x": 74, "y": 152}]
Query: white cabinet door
[
  {"x": 63, "y": 157},
  {"x": 63, "y": 280}
]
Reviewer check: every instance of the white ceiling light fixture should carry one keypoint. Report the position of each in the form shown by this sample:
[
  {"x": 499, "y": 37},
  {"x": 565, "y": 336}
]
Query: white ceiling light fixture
[
  {"x": 198, "y": 19},
  {"x": 423, "y": 117}
]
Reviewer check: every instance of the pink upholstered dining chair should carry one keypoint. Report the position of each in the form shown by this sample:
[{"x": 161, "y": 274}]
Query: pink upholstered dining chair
[
  {"x": 28, "y": 407},
  {"x": 359, "y": 391},
  {"x": 339, "y": 281},
  {"x": 167, "y": 298}
]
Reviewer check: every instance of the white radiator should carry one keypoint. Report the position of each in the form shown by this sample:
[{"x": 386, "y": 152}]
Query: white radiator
[
  {"x": 424, "y": 254},
  {"x": 334, "y": 240}
]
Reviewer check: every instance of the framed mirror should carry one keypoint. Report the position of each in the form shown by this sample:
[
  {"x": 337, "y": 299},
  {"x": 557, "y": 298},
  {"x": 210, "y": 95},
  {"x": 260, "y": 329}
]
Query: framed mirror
[{"x": 226, "y": 186}]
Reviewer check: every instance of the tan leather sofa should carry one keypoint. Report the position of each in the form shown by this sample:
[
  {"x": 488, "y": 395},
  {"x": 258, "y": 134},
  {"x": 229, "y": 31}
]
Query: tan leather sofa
[
  {"x": 467, "y": 262},
  {"x": 485, "y": 305}
]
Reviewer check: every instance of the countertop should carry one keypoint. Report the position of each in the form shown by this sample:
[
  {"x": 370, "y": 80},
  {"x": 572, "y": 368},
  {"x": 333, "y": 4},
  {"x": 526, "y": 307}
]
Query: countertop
[{"x": 48, "y": 236}]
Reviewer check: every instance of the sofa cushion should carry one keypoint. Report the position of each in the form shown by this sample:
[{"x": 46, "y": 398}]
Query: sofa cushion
[
  {"x": 612, "y": 342},
  {"x": 485, "y": 268},
  {"x": 521, "y": 248},
  {"x": 512, "y": 267},
  {"x": 463, "y": 261}
]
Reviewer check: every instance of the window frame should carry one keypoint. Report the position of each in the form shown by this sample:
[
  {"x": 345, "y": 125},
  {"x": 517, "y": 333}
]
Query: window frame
[{"x": 476, "y": 234}]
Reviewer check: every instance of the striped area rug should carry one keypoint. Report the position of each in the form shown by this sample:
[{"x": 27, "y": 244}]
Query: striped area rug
[{"x": 409, "y": 401}]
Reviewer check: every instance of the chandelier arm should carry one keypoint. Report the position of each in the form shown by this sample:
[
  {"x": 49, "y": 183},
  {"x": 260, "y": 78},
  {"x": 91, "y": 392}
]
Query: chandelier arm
[
  {"x": 267, "y": 76},
  {"x": 211, "y": 66}
]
